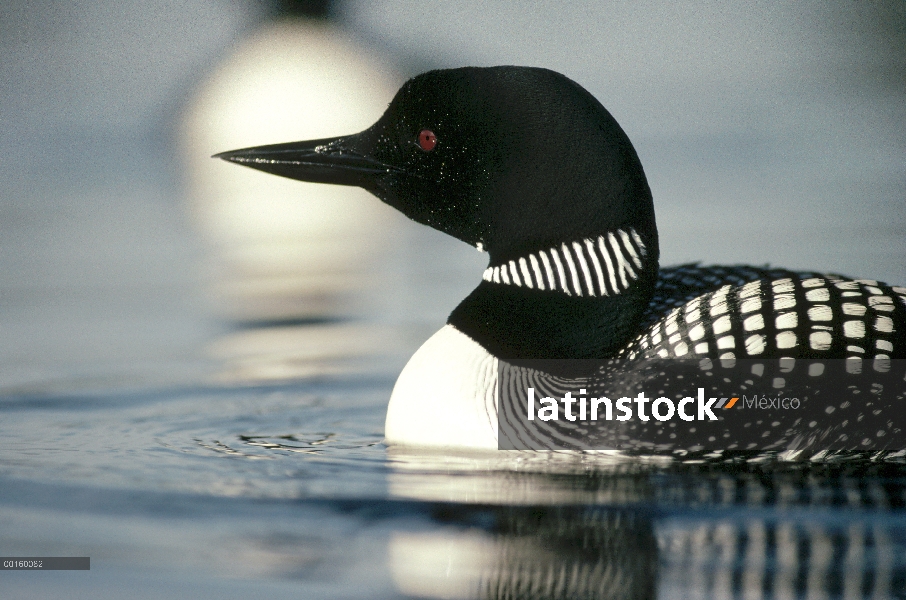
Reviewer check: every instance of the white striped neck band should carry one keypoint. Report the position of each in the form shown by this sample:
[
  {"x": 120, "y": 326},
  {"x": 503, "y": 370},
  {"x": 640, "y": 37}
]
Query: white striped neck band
[{"x": 604, "y": 266}]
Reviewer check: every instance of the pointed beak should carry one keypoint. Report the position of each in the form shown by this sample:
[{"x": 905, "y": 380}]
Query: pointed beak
[{"x": 332, "y": 160}]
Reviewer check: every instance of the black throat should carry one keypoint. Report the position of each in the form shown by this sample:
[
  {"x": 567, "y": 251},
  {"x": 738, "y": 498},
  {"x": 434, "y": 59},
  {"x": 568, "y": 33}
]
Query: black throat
[
  {"x": 577, "y": 300},
  {"x": 513, "y": 322}
]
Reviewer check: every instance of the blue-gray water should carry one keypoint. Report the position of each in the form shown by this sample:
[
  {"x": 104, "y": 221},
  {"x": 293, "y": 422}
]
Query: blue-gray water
[{"x": 200, "y": 428}]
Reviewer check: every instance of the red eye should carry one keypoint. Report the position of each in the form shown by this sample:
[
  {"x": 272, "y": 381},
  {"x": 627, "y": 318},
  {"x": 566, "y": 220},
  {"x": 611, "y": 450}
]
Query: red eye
[{"x": 427, "y": 140}]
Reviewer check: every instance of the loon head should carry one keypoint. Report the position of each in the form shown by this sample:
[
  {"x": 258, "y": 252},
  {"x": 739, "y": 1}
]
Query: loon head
[{"x": 526, "y": 165}]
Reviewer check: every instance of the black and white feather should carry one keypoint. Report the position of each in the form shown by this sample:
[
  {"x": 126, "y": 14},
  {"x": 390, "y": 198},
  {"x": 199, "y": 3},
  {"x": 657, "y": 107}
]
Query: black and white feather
[
  {"x": 745, "y": 312},
  {"x": 604, "y": 266}
]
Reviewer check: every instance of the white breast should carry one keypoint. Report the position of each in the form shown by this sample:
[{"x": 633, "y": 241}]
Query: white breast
[{"x": 446, "y": 395}]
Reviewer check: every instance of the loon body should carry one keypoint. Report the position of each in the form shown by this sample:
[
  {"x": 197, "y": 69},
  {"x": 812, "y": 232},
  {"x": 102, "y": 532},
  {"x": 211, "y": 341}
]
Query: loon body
[{"x": 526, "y": 165}]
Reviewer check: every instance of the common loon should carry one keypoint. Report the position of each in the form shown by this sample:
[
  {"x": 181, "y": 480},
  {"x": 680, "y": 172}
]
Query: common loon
[{"x": 528, "y": 166}]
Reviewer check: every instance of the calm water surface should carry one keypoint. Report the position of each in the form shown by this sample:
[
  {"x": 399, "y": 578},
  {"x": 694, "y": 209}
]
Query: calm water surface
[{"x": 263, "y": 471}]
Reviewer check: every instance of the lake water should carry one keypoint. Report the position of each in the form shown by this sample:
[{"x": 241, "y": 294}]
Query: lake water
[
  {"x": 288, "y": 490},
  {"x": 190, "y": 457}
]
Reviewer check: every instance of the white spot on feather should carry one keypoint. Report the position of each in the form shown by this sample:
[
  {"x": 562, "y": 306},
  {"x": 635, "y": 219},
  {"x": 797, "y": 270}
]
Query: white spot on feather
[
  {"x": 854, "y": 310},
  {"x": 753, "y": 323},
  {"x": 783, "y": 285},
  {"x": 786, "y": 321},
  {"x": 750, "y": 289},
  {"x": 726, "y": 342},
  {"x": 818, "y": 295},
  {"x": 820, "y": 340},
  {"x": 884, "y": 324},
  {"x": 822, "y": 312},
  {"x": 721, "y": 325},
  {"x": 718, "y": 309},
  {"x": 751, "y": 305},
  {"x": 755, "y": 344},
  {"x": 786, "y": 339},
  {"x": 784, "y": 301},
  {"x": 854, "y": 329}
]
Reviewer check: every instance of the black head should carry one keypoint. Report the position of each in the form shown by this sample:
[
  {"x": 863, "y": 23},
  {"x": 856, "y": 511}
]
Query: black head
[{"x": 512, "y": 158}]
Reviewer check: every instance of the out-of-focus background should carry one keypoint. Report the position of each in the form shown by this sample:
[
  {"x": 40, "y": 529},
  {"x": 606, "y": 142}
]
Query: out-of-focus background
[
  {"x": 770, "y": 133},
  {"x": 135, "y": 270}
]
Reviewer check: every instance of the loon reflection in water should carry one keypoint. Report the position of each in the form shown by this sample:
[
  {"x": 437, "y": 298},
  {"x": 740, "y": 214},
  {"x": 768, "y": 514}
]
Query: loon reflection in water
[
  {"x": 781, "y": 531},
  {"x": 594, "y": 553}
]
